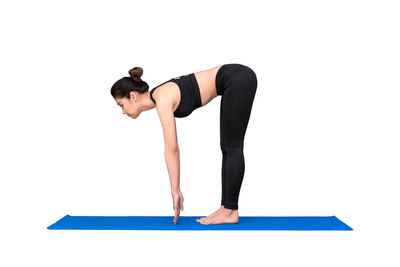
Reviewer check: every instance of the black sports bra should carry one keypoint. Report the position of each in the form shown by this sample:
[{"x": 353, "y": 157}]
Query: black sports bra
[{"x": 190, "y": 94}]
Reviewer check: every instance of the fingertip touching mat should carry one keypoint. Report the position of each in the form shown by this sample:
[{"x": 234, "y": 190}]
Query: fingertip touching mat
[{"x": 189, "y": 223}]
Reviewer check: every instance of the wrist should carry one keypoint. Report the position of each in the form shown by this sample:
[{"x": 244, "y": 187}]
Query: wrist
[{"x": 176, "y": 191}]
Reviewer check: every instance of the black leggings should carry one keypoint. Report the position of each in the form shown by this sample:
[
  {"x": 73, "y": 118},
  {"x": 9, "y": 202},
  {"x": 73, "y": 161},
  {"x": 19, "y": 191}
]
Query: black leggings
[{"x": 237, "y": 85}]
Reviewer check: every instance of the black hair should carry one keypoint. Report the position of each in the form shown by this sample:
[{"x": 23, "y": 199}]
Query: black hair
[{"x": 125, "y": 85}]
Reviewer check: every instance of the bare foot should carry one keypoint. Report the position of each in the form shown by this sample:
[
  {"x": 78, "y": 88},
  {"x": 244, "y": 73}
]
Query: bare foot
[
  {"x": 211, "y": 215},
  {"x": 224, "y": 216}
]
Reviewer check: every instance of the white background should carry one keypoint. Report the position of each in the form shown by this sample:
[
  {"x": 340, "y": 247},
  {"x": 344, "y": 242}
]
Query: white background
[{"x": 322, "y": 138}]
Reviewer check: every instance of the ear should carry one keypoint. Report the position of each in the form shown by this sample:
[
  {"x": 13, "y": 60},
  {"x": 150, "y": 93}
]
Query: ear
[{"x": 132, "y": 95}]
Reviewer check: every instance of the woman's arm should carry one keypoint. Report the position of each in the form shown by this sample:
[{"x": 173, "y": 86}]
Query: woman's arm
[
  {"x": 171, "y": 149},
  {"x": 173, "y": 165}
]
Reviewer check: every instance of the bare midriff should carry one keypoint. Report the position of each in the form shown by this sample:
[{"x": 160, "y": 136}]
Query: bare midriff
[{"x": 206, "y": 81}]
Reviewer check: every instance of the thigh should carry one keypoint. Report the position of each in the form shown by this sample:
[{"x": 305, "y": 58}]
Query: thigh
[{"x": 236, "y": 104}]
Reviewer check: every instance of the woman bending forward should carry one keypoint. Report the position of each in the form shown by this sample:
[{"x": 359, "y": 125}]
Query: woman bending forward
[{"x": 179, "y": 97}]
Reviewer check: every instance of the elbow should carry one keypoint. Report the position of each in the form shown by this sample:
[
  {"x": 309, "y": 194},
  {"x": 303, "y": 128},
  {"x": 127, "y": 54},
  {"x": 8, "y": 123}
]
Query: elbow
[{"x": 171, "y": 150}]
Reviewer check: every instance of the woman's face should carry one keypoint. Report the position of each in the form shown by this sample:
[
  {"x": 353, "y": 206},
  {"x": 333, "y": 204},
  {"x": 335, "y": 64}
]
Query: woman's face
[{"x": 131, "y": 106}]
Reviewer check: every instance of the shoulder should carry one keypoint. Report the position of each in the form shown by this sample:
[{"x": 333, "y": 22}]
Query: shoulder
[{"x": 166, "y": 94}]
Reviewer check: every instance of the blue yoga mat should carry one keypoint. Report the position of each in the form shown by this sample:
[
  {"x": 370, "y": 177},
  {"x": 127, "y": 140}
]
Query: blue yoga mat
[{"x": 189, "y": 223}]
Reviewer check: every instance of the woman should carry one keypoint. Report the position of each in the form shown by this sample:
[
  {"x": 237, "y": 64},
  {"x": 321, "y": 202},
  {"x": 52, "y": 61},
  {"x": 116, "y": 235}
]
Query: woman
[{"x": 179, "y": 97}]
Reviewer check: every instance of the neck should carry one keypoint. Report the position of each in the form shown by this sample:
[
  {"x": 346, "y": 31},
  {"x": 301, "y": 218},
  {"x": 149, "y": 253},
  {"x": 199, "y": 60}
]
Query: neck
[{"x": 149, "y": 103}]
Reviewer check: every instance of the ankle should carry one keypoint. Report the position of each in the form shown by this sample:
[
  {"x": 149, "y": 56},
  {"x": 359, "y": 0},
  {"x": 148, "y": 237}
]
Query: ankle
[{"x": 230, "y": 211}]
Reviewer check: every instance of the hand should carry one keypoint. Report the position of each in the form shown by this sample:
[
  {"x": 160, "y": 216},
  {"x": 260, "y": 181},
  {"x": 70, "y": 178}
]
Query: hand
[{"x": 178, "y": 204}]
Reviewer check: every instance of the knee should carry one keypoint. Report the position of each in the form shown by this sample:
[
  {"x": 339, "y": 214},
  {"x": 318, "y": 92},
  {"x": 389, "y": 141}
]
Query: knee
[{"x": 231, "y": 148}]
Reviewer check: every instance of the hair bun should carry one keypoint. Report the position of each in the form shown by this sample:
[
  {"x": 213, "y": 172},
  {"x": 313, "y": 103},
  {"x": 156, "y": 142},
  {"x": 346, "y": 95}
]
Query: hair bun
[{"x": 136, "y": 73}]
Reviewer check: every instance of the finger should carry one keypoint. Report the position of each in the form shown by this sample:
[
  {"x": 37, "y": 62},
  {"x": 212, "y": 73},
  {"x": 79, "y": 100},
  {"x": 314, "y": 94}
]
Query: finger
[
  {"x": 176, "y": 216},
  {"x": 182, "y": 204}
]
